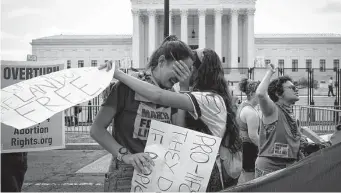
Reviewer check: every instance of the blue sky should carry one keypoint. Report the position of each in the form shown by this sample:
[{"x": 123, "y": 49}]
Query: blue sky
[{"x": 24, "y": 20}]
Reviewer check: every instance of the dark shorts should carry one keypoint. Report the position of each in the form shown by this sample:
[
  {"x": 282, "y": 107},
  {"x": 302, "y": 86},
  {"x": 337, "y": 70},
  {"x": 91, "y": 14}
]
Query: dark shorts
[
  {"x": 250, "y": 153},
  {"x": 13, "y": 169}
]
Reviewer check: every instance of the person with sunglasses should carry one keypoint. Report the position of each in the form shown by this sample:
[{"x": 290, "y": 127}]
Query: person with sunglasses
[
  {"x": 281, "y": 142},
  {"x": 131, "y": 114},
  {"x": 206, "y": 107}
]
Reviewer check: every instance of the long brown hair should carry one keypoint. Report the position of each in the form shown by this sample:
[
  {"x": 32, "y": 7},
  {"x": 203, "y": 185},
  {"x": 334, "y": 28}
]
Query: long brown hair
[{"x": 209, "y": 76}]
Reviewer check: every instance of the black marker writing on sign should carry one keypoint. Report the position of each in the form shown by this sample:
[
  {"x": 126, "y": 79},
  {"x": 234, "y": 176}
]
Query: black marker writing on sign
[
  {"x": 164, "y": 184},
  {"x": 83, "y": 86},
  {"x": 202, "y": 149},
  {"x": 171, "y": 159},
  {"x": 158, "y": 134},
  {"x": 193, "y": 183}
]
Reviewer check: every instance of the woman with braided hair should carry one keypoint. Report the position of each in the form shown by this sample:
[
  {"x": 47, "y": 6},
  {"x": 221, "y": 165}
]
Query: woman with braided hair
[{"x": 248, "y": 119}]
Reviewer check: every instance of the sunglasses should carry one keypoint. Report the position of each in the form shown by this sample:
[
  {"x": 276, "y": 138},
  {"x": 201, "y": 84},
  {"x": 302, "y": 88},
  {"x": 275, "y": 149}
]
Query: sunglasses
[{"x": 292, "y": 87}]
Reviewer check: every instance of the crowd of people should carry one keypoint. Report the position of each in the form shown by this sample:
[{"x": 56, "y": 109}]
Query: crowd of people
[{"x": 269, "y": 139}]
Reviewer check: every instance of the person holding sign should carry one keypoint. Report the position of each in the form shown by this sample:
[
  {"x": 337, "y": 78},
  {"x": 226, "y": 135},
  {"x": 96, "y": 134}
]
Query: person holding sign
[
  {"x": 208, "y": 103},
  {"x": 132, "y": 114},
  {"x": 249, "y": 122}
]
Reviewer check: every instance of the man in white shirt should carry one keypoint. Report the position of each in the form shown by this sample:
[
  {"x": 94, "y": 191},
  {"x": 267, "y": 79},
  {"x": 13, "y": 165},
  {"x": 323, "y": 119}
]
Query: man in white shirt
[{"x": 330, "y": 87}]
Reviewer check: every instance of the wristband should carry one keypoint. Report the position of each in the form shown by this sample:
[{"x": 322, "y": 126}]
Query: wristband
[{"x": 181, "y": 91}]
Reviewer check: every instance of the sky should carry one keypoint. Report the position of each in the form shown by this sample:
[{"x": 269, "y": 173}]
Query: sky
[{"x": 24, "y": 20}]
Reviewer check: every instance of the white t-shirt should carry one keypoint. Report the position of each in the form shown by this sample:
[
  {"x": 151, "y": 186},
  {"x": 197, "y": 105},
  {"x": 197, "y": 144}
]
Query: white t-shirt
[
  {"x": 211, "y": 109},
  {"x": 330, "y": 82}
]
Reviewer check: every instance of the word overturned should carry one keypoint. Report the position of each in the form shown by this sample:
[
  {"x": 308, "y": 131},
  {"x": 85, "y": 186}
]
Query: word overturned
[
  {"x": 22, "y": 73},
  {"x": 183, "y": 160},
  {"x": 33, "y": 101}
]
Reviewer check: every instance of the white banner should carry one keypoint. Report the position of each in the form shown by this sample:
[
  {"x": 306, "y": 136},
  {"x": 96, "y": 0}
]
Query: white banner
[
  {"x": 183, "y": 160},
  {"x": 43, "y": 136},
  {"x": 30, "y": 102}
]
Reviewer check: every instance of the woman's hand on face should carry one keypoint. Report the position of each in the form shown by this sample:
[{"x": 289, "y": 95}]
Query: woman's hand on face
[
  {"x": 182, "y": 72},
  {"x": 142, "y": 162}
]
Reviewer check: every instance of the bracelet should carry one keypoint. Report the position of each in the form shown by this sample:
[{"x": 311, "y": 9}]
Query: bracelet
[
  {"x": 123, "y": 156},
  {"x": 181, "y": 91}
]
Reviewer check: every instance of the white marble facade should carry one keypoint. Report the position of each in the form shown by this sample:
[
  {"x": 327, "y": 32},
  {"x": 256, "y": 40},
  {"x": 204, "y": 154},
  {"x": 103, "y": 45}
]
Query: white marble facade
[{"x": 227, "y": 26}]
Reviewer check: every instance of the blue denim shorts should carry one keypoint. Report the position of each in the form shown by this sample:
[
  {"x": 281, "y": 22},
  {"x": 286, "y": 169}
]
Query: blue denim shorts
[{"x": 119, "y": 176}]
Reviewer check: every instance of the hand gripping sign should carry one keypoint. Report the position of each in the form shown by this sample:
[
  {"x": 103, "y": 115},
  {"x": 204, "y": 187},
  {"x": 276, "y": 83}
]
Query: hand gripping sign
[{"x": 183, "y": 160}]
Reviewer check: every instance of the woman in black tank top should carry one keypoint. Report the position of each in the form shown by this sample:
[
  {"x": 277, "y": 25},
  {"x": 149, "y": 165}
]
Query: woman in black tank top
[{"x": 248, "y": 120}]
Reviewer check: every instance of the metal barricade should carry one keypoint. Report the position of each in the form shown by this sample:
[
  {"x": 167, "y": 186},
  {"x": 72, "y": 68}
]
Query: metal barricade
[
  {"x": 320, "y": 120},
  {"x": 80, "y": 118}
]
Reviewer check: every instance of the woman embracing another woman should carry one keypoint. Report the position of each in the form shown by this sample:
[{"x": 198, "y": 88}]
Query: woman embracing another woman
[{"x": 204, "y": 103}]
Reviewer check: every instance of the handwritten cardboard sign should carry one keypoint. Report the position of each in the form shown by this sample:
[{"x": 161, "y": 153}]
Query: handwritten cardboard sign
[
  {"x": 183, "y": 160},
  {"x": 32, "y": 101},
  {"x": 43, "y": 136}
]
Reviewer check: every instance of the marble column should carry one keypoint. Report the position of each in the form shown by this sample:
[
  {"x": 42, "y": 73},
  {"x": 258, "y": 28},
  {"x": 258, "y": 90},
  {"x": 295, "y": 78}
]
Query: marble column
[
  {"x": 184, "y": 26},
  {"x": 202, "y": 28},
  {"x": 136, "y": 38},
  {"x": 151, "y": 38},
  {"x": 217, "y": 31},
  {"x": 170, "y": 22},
  {"x": 234, "y": 38},
  {"x": 250, "y": 37}
]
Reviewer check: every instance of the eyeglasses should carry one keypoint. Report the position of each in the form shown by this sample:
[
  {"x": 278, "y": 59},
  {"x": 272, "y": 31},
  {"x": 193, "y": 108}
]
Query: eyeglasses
[{"x": 292, "y": 87}]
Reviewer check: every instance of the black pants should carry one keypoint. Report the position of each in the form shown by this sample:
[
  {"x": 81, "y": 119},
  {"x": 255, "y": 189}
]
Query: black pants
[
  {"x": 330, "y": 90},
  {"x": 13, "y": 169},
  {"x": 250, "y": 153},
  {"x": 76, "y": 120}
]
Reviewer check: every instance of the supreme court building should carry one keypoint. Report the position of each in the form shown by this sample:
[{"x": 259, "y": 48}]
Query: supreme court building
[{"x": 227, "y": 26}]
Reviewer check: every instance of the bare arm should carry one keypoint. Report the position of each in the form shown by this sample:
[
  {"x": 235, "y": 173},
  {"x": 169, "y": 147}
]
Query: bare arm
[
  {"x": 179, "y": 118},
  {"x": 266, "y": 104},
  {"x": 252, "y": 120},
  {"x": 181, "y": 115},
  {"x": 156, "y": 94},
  {"x": 99, "y": 130}
]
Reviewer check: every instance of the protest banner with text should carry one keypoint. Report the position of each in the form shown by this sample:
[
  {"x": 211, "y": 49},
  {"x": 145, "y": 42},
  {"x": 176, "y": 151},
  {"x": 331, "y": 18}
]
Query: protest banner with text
[
  {"x": 46, "y": 135},
  {"x": 183, "y": 160},
  {"x": 32, "y": 101}
]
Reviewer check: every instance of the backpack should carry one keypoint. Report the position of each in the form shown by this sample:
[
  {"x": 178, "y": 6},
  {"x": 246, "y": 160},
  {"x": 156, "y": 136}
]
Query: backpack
[{"x": 229, "y": 164}]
